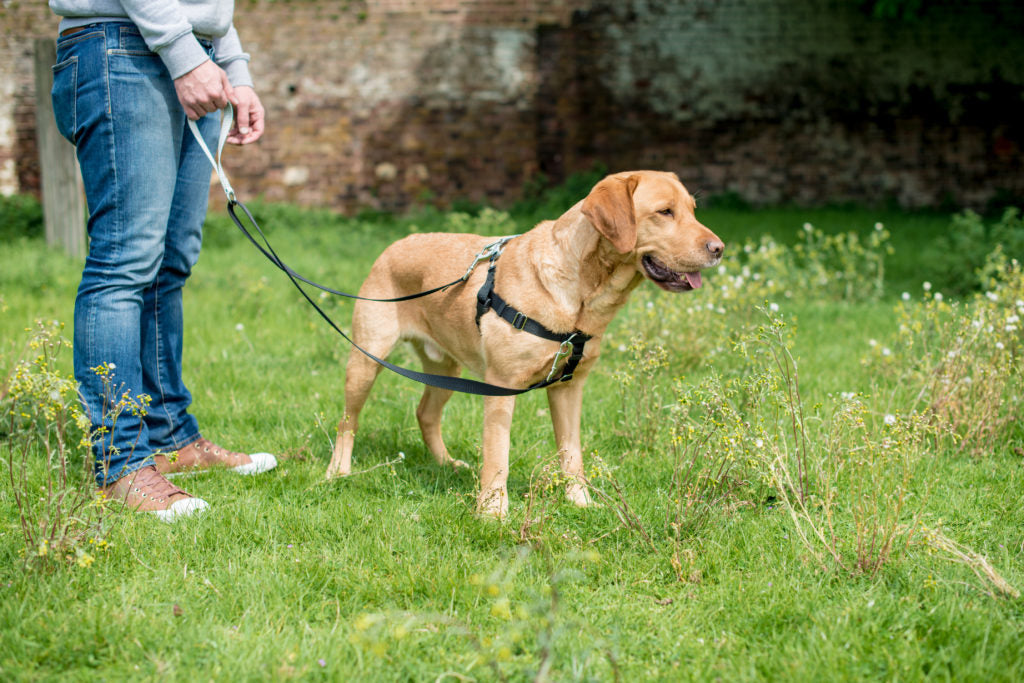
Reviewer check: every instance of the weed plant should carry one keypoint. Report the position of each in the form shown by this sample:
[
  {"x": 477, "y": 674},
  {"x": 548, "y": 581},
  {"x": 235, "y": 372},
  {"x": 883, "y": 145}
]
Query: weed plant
[{"x": 42, "y": 419}]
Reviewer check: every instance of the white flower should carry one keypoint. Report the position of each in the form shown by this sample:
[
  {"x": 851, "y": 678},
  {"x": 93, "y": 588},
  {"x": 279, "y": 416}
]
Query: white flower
[
  {"x": 886, "y": 351},
  {"x": 890, "y": 419},
  {"x": 872, "y": 343},
  {"x": 759, "y": 443},
  {"x": 878, "y": 227},
  {"x": 1013, "y": 319},
  {"x": 991, "y": 296},
  {"x": 847, "y": 395},
  {"x": 938, "y": 296},
  {"x": 239, "y": 327},
  {"x": 905, "y": 296},
  {"x": 808, "y": 227},
  {"x": 999, "y": 345},
  {"x": 1020, "y": 304},
  {"x": 927, "y": 286},
  {"x": 721, "y": 270},
  {"x": 1011, "y": 328},
  {"x": 773, "y": 307},
  {"x": 112, "y": 366}
]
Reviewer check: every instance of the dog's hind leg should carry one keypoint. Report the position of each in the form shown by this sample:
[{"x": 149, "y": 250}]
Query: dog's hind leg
[
  {"x": 360, "y": 374},
  {"x": 428, "y": 413}
]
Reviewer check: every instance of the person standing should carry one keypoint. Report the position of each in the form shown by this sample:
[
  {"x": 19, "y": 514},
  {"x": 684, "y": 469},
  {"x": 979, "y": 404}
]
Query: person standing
[{"x": 129, "y": 74}]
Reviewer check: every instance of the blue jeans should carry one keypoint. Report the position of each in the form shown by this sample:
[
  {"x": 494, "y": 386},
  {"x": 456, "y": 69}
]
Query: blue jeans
[{"x": 146, "y": 184}]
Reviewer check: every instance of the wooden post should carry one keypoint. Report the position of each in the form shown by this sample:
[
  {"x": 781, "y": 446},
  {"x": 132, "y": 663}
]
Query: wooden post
[{"x": 63, "y": 196}]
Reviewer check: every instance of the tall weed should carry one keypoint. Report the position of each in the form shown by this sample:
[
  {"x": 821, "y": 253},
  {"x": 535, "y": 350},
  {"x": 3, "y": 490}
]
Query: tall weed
[
  {"x": 963, "y": 361},
  {"x": 44, "y": 433}
]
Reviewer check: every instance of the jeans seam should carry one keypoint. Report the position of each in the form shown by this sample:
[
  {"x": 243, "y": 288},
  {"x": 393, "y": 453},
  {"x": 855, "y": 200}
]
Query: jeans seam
[{"x": 159, "y": 358}]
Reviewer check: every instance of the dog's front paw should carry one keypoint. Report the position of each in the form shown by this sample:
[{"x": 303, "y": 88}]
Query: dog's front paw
[
  {"x": 333, "y": 472},
  {"x": 578, "y": 495},
  {"x": 459, "y": 464},
  {"x": 493, "y": 503}
]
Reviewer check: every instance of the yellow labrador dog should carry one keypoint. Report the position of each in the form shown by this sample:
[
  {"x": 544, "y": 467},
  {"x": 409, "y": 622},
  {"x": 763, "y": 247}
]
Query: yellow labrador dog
[{"x": 568, "y": 275}]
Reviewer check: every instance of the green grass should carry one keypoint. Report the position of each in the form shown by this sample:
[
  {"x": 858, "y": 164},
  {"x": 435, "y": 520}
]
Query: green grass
[{"x": 388, "y": 575}]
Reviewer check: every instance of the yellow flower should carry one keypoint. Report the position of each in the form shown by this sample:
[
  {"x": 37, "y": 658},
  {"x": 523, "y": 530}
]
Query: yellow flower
[{"x": 501, "y": 609}]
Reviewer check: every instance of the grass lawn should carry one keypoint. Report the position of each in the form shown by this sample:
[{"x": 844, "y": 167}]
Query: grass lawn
[{"x": 388, "y": 574}]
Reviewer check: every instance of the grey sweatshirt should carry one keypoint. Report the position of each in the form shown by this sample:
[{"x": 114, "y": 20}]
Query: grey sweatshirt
[{"x": 169, "y": 28}]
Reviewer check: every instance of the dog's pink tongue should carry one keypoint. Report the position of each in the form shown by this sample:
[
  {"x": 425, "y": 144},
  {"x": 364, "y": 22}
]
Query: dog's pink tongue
[{"x": 693, "y": 279}]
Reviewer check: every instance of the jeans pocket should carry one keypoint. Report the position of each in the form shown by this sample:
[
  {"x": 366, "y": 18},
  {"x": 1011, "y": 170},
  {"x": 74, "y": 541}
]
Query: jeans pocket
[{"x": 64, "y": 97}]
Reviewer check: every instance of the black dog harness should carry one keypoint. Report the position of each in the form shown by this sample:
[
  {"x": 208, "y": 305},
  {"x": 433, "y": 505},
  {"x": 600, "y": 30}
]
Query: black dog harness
[{"x": 571, "y": 344}]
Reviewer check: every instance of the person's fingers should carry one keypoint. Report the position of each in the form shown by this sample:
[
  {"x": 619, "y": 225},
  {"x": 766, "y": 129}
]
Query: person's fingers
[
  {"x": 242, "y": 116},
  {"x": 257, "y": 121},
  {"x": 250, "y": 117},
  {"x": 204, "y": 90},
  {"x": 227, "y": 92}
]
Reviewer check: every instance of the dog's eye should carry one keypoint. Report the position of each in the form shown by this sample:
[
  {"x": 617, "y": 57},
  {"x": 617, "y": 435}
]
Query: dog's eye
[{"x": 667, "y": 212}]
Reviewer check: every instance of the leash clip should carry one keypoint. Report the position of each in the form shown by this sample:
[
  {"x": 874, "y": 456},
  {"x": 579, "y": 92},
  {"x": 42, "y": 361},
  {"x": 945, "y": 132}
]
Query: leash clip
[
  {"x": 491, "y": 251},
  {"x": 564, "y": 349}
]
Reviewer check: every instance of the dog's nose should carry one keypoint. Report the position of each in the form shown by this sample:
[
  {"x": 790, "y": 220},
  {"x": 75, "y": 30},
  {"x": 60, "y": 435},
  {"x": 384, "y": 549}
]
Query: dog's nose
[{"x": 716, "y": 248}]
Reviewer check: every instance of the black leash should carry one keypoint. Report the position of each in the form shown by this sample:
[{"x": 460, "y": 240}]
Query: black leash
[{"x": 569, "y": 343}]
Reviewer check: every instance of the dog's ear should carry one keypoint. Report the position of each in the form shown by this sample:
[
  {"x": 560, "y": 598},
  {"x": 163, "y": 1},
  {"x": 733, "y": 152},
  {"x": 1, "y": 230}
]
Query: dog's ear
[{"x": 609, "y": 207}]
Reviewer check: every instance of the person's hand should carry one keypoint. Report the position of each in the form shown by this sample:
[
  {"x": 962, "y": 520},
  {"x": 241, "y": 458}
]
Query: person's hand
[
  {"x": 248, "y": 117},
  {"x": 204, "y": 90}
]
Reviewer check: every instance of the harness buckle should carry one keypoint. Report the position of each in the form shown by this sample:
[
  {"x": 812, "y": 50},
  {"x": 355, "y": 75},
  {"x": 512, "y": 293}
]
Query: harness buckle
[{"x": 519, "y": 321}]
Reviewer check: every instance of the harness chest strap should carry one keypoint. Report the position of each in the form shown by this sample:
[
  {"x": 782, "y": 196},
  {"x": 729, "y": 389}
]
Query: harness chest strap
[{"x": 571, "y": 344}]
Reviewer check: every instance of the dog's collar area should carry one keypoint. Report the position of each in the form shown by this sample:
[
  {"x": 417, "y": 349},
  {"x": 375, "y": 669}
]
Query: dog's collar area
[{"x": 571, "y": 344}]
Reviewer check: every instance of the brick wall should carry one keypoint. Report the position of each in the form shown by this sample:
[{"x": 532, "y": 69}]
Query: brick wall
[{"x": 391, "y": 103}]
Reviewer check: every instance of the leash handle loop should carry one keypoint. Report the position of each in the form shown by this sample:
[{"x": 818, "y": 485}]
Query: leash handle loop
[{"x": 227, "y": 117}]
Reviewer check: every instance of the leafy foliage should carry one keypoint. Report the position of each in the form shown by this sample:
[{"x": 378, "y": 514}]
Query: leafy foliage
[
  {"x": 963, "y": 250},
  {"x": 22, "y": 217}
]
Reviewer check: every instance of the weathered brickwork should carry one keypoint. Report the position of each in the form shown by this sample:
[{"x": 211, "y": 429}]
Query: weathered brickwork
[{"x": 392, "y": 103}]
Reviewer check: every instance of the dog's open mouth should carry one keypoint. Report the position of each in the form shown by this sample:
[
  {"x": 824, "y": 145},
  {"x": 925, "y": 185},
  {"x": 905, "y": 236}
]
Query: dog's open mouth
[{"x": 668, "y": 279}]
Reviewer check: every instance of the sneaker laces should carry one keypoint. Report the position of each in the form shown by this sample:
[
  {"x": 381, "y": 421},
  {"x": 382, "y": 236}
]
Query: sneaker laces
[
  {"x": 154, "y": 485},
  {"x": 208, "y": 446}
]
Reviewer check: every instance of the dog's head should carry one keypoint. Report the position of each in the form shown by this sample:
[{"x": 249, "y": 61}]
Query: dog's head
[{"x": 648, "y": 215}]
